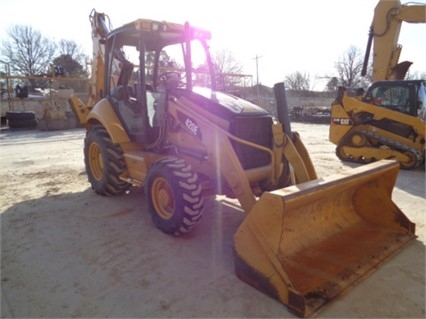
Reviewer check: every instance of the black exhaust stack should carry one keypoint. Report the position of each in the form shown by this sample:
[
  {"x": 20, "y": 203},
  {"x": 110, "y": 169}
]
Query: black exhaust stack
[{"x": 282, "y": 108}]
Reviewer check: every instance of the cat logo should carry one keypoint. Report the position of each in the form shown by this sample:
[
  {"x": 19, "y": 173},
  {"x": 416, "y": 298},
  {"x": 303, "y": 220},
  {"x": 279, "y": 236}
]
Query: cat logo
[{"x": 341, "y": 121}]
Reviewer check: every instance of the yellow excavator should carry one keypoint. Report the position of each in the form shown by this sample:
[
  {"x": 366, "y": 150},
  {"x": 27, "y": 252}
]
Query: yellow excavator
[
  {"x": 156, "y": 120},
  {"x": 388, "y": 120}
]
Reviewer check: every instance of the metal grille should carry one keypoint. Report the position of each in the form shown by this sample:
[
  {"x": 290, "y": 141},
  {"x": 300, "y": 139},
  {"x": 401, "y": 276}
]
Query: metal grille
[{"x": 257, "y": 130}]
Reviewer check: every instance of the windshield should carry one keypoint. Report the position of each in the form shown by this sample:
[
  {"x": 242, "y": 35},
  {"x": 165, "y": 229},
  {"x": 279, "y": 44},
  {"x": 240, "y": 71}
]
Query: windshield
[
  {"x": 395, "y": 97},
  {"x": 166, "y": 63},
  {"x": 422, "y": 101},
  {"x": 172, "y": 62}
]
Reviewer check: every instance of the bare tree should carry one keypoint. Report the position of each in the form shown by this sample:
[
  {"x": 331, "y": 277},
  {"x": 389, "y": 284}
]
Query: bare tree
[
  {"x": 415, "y": 75},
  {"x": 227, "y": 68},
  {"x": 297, "y": 81},
  {"x": 349, "y": 68},
  {"x": 72, "y": 49},
  {"x": 27, "y": 52}
]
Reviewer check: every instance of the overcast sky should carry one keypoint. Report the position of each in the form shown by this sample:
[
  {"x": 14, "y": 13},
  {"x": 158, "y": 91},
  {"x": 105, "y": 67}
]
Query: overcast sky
[{"x": 307, "y": 36}]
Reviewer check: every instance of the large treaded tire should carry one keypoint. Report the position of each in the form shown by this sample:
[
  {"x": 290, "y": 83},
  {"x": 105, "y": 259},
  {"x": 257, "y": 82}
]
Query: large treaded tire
[
  {"x": 104, "y": 163},
  {"x": 174, "y": 196},
  {"x": 23, "y": 115},
  {"x": 24, "y": 119}
]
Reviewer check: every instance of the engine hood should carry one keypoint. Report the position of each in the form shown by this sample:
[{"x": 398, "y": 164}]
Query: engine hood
[{"x": 223, "y": 104}]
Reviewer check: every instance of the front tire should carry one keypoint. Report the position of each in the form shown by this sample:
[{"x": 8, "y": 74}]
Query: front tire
[
  {"x": 174, "y": 196},
  {"x": 104, "y": 163}
]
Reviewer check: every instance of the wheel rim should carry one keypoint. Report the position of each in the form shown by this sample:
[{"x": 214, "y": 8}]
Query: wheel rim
[
  {"x": 96, "y": 162},
  {"x": 162, "y": 198}
]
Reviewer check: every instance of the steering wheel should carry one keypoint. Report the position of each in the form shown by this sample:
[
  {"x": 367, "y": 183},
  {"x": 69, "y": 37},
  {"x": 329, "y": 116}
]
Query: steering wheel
[{"x": 164, "y": 77}]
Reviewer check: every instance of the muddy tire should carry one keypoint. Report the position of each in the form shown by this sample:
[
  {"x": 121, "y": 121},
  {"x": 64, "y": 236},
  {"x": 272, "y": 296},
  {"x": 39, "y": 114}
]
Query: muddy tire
[
  {"x": 174, "y": 196},
  {"x": 104, "y": 163}
]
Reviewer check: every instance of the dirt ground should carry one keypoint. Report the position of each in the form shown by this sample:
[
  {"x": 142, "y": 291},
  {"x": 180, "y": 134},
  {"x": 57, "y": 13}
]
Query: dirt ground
[{"x": 67, "y": 252}]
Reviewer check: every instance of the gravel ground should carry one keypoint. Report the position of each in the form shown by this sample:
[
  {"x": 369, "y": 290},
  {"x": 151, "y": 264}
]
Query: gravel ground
[{"x": 66, "y": 252}]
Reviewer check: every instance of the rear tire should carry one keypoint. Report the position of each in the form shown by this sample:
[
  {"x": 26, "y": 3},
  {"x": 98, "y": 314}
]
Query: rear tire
[
  {"x": 174, "y": 196},
  {"x": 104, "y": 163}
]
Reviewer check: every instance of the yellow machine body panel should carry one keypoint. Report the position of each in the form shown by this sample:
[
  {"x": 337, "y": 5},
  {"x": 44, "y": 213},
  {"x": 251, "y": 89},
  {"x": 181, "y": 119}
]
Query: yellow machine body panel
[
  {"x": 306, "y": 244},
  {"x": 339, "y": 125},
  {"x": 103, "y": 113}
]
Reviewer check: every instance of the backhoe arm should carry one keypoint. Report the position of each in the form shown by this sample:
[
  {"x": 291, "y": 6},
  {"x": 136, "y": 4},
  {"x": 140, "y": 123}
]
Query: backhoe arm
[{"x": 100, "y": 29}]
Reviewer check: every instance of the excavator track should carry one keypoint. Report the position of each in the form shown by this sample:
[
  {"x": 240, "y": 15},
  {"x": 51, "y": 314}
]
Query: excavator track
[{"x": 364, "y": 147}]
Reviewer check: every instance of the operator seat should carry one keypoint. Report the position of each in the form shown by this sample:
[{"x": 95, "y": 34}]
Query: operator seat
[
  {"x": 168, "y": 83},
  {"x": 127, "y": 109},
  {"x": 123, "y": 94}
]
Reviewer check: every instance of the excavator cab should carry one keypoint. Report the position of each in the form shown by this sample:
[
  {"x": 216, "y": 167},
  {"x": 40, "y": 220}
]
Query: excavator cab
[{"x": 401, "y": 96}]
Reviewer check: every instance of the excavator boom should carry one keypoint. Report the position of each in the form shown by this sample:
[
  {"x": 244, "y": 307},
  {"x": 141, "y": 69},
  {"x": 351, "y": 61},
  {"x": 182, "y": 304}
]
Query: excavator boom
[{"x": 384, "y": 34}]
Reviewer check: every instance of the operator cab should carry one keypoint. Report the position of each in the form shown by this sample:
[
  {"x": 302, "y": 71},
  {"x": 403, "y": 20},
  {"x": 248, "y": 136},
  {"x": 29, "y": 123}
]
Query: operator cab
[
  {"x": 147, "y": 62},
  {"x": 422, "y": 101}
]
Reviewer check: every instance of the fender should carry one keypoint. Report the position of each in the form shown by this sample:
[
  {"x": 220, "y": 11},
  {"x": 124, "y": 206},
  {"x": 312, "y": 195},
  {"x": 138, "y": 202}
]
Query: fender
[{"x": 103, "y": 113}]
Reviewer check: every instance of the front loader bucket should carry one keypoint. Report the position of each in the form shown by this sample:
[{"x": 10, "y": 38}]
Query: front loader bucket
[{"x": 306, "y": 244}]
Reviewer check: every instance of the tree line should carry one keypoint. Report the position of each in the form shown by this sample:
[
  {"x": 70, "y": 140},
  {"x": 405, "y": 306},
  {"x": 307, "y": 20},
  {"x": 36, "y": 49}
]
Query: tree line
[
  {"x": 348, "y": 70},
  {"x": 27, "y": 52}
]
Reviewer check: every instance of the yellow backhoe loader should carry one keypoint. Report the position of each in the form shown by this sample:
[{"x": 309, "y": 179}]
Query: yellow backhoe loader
[
  {"x": 156, "y": 120},
  {"x": 388, "y": 120}
]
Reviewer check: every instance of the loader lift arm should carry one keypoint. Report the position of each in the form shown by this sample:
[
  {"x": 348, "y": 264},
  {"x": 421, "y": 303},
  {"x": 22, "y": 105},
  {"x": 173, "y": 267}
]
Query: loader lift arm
[{"x": 294, "y": 150}]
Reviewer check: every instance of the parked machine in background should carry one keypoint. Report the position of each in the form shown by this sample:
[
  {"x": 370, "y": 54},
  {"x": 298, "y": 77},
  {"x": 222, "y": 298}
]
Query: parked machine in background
[
  {"x": 385, "y": 123},
  {"x": 153, "y": 122},
  {"x": 47, "y": 109},
  {"x": 388, "y": 121}
]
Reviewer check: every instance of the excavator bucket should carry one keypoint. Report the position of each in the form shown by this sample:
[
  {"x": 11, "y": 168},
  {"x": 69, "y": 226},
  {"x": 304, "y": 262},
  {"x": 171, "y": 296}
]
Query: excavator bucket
[{"x": 306, "y": 244}]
